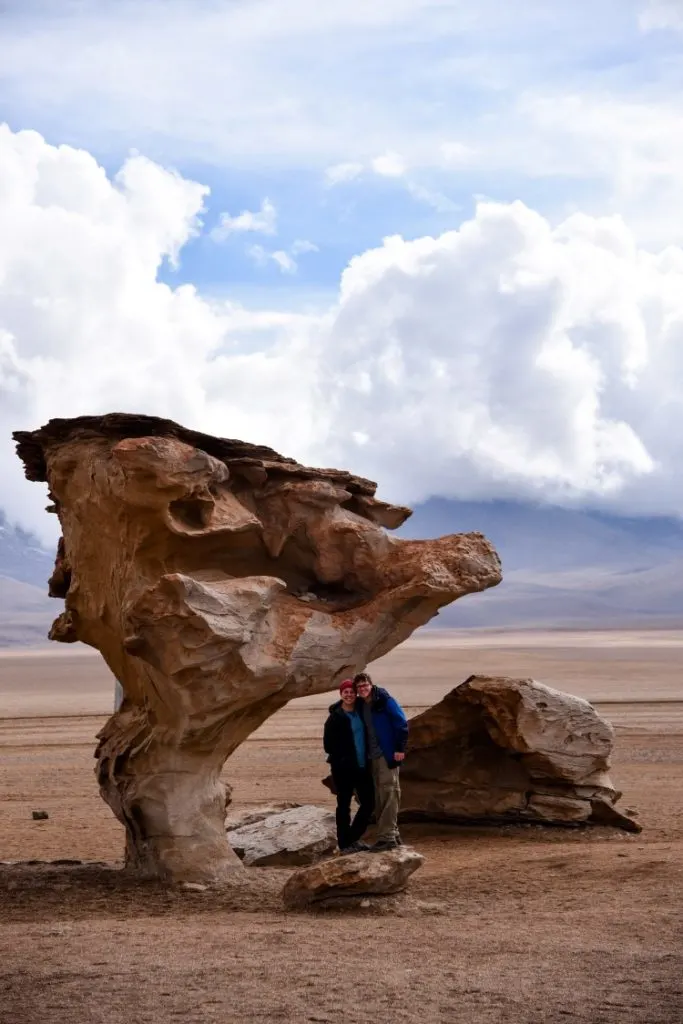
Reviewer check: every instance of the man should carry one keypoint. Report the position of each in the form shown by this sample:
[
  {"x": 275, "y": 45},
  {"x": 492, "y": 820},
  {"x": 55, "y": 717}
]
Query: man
[
  {"x": 345, "y": 746},
  {"x": 386, "y": 731}
]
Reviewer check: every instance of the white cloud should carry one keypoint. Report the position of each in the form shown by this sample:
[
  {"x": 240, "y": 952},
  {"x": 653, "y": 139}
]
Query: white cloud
[
  {"x": 442, "y": 82},
  {"x": 339, "y": 173},
  {"x": 662, "y": 14},
  {"x": 228, "y": 83},
  {"x": 258, "y": 254},
  {"x": 389, "y": 165},
  {"x": 392, "y": 165},
  {"x": 285, "y": 262},
  {"x": 301, "y": 246},
  {"x": 457, "y": 155},
  {"x": 282, "y": 257},
  {"x": 508, "y": 358},
  {"x": 438, "y": 201},
  {"x": 634, "y": 146},
  {"x": 262, "y": 221}
]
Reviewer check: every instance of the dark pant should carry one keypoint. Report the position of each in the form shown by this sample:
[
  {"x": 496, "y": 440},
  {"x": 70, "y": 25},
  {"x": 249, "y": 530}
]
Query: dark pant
[{"x": 347, "y": 783}]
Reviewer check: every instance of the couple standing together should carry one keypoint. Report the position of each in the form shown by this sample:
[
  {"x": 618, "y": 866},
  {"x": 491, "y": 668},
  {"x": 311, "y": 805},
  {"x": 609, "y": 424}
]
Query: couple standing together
[{"x": 365, "y": 740}]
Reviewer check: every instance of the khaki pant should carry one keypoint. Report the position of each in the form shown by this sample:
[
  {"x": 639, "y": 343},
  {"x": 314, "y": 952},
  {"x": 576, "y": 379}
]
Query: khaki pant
[{"x": 387, "y": 798}]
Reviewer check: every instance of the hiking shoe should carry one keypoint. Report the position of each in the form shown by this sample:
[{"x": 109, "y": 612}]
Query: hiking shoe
[
  {"x": 386, "y": 844},
  {"x": 358, "y": 847}
]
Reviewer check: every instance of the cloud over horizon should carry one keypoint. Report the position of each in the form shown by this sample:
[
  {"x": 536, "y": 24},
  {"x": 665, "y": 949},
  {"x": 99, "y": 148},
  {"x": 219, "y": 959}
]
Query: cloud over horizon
[
  {"x": 262, "y": 221},
  {"x": 508, "y": 358}
]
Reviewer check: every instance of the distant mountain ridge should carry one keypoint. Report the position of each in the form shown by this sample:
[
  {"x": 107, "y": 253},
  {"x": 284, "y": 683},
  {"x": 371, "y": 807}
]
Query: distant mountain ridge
[
  {"x": 26, "y": 611},
  {"x": 561, "y": 568},
  {"x": 564, "y": 567},
  {"x": 22, "y": 556}
]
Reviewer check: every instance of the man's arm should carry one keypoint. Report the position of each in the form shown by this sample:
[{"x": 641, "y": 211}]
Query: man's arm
[
  {"x": 400, "y": 726},
  {"x": 327, "y": 737}
]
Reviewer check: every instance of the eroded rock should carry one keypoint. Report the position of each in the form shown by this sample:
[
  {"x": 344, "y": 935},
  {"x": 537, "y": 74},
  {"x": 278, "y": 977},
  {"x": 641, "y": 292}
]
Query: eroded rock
[
  {"x": 352, "y": 875},
  {"x": 250, "y": 815},
  {"x": 219, "y": 580},
  {"x": 299, "y": 835},
  {"x": 501, "y": 749}
]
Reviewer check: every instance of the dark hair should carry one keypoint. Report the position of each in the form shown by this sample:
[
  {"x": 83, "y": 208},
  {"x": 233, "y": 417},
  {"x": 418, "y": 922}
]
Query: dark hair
[{"x": 362, "y": 677}]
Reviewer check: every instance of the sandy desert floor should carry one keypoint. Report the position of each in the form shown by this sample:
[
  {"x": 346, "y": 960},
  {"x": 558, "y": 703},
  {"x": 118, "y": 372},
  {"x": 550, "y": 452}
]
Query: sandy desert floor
[{"x": 517, "y": 924}]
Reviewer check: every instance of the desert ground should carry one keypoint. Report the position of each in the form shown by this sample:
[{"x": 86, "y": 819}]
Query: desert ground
[{"x": 514, "y": 924}]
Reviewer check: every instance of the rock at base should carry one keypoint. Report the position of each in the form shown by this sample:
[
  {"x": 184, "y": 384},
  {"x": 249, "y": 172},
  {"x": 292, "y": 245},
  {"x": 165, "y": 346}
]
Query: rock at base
[
  {"x": 250, "y": 815},
  {"x": 499, "y": 749},
  {"x": 299, "y": 835},
  {"x": 353, "y": 875}
]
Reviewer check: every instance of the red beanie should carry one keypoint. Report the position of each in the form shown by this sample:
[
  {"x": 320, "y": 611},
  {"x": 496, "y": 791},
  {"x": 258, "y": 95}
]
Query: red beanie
[{"x": 347, "y": 684}]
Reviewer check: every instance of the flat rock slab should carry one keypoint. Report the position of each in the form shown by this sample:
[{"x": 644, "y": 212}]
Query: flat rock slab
[
  {"x": 353, "y": 875},
  {"x": 250, "y": 815},
  {"x": 299, "y": 835}
]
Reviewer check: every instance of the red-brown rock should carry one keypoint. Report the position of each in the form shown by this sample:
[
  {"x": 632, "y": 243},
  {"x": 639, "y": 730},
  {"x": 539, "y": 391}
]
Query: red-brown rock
[
  {"x": 500, "y": 749},
  {"x": 219, "y": 580},
  {"x": 355, "y": 874}
]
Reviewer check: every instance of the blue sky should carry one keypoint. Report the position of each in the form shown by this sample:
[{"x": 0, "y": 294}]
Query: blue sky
[
  {"x": 437, "y": 241},
  {"x": 258, "y": 99}
]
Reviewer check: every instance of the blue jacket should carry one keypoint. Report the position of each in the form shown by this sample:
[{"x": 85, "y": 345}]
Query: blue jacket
[{"x": 391, "y": 725}]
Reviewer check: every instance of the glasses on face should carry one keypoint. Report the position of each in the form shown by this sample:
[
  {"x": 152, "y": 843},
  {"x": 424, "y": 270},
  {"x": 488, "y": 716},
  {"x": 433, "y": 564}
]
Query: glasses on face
[{"x": 363, "y": 686}]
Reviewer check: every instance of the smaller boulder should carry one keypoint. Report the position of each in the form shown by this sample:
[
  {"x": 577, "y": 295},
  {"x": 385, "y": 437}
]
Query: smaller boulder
[
  {"x": 40, "y": 815},
  {"x": 500, "y": 749},
  {"x": 299, "y": 835},
  {"x": 250, "y": 815},
  {"x": 352, "y": 875}
]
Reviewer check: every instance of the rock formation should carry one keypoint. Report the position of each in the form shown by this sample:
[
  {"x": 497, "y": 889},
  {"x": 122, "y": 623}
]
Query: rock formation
[
  {"x": 352, "y": 875},
  {"x": 499, "y": 749},
  {"x": 238, "y": 818},
  {"x": 289, "y": 838},
  {"x": 219, "y": 580}
]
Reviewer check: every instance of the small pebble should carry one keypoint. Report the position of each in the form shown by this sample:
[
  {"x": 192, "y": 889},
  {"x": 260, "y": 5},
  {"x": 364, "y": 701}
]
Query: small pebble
[{"x": 40, "y": 815}]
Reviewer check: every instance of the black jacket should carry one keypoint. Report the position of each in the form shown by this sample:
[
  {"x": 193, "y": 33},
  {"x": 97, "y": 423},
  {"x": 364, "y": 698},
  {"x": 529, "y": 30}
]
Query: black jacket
[{"x": 338, "y": 739}]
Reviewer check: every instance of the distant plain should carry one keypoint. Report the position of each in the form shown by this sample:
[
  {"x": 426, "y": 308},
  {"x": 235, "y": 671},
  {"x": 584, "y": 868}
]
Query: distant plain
[{"x": 510, "y": 924}]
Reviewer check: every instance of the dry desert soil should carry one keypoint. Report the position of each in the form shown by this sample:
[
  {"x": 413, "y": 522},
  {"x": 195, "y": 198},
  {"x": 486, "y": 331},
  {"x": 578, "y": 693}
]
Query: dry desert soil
[{"x": 514, "y": 924}]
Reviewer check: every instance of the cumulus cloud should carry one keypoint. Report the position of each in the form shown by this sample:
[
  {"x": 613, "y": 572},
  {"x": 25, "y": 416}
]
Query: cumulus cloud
[
  {"x": 456, "y": 154},
  {"x": 283, "y": 258},
  {"x": 262, "y": 221},
  {"x": 507, "y": 358},
  {"x": 389, "y": 165},
  {"x": 301, "y": 246},
  {"x": 266, "y": 85},
  {"x": 285, "y": 261},
  {"x": 339, "y": 173},
  {"x": 437, "y": 200},
  {"x": 662, "y": 14},
  {"x": 392, "y": 165},
  {"x": 634, "y": 144}
]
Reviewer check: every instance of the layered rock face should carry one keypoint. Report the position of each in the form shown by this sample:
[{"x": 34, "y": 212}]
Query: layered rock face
[
  {"x": 500, "y": 749},
  {"x": 219, "y": 580}
]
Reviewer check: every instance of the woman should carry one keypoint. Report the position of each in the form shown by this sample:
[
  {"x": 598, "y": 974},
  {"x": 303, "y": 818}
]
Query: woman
[{"x": 344, "y": 743}]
